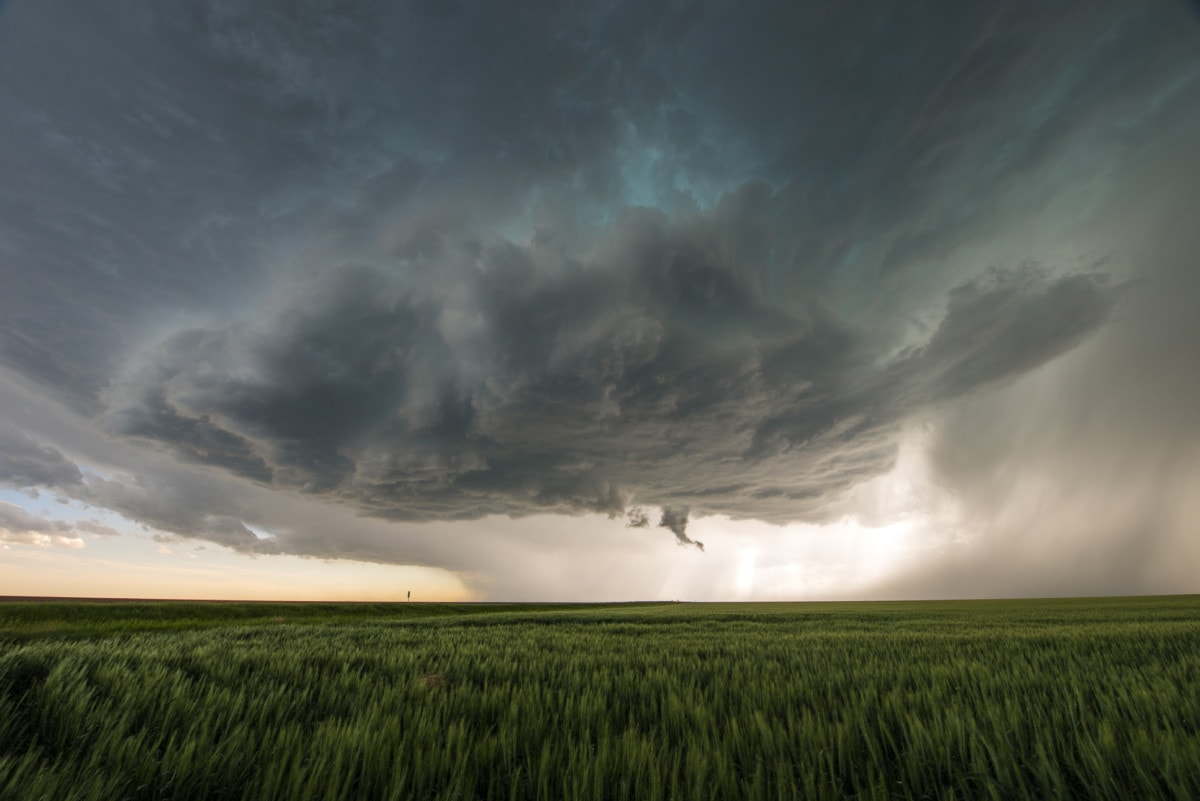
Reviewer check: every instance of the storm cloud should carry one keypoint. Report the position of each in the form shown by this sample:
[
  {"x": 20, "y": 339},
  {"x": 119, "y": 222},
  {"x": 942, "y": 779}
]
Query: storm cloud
[
  {"x": 434, "y": 263},
  {"x": 25, "y": 463},
  {"x": 654, "y": 372}
]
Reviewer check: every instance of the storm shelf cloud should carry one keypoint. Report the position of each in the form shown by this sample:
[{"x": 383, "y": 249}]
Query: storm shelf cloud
[
  {"x": 443, "y": 263},
  {"x": 505, "y": 381}
]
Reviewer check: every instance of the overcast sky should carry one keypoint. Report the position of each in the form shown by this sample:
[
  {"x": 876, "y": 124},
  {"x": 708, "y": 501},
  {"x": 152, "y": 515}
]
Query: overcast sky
[{"x": 578, "y": 301}]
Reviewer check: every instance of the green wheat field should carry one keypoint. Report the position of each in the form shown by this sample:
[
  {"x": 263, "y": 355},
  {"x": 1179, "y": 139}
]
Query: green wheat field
[{"x": 1080, "y": 698}]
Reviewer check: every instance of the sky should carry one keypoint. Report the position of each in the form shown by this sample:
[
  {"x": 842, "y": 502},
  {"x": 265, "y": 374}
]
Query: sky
[{"x": 305, "y": 299}]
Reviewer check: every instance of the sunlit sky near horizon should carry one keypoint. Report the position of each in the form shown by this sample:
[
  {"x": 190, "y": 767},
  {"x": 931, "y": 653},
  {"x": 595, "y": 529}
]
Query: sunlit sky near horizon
[{"x": 554, "y": 301}]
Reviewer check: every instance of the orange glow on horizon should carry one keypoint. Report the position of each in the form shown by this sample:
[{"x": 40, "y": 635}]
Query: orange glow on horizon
[{"x": 226, "y": 577}]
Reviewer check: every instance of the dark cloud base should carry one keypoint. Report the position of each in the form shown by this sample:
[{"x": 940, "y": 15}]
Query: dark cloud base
[
  {"x": 514, "y": 380},
  {"x": 440, "y": 261}
]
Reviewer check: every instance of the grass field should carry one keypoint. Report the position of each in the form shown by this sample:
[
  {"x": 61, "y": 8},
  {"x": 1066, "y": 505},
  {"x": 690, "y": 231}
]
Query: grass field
[{"x": 1096, "y": 698}]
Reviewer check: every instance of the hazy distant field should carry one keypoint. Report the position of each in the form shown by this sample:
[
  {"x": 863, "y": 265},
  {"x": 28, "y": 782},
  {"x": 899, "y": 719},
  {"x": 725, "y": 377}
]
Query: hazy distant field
[{"x": 1003, "y": 700}]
